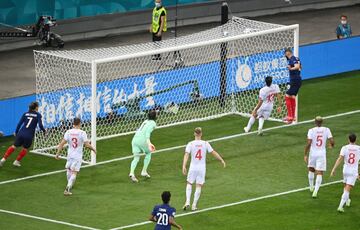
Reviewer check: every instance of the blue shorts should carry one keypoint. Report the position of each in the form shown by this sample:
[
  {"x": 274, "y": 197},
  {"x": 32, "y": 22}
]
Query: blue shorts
[
  {"x": 294, "y": 88},
  {"x": 23, "y": 141}
]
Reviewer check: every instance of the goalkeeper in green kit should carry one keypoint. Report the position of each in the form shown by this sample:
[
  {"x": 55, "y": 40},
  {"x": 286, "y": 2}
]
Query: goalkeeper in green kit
[{"x": 141, "y": 144}]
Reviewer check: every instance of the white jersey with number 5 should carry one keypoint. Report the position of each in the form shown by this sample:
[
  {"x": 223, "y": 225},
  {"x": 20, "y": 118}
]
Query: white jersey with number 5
[
  {"x": 267, "y": 95},
  {"x": 319, "y": 137},
  {"x": 75, "y": 139},
  {"x": 198, "y": 150},
  {"x": 351, "y": 154}
]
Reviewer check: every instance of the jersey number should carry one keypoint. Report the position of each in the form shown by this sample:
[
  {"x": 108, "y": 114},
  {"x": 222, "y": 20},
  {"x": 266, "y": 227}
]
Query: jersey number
[
  {"x": 319, "y": 141},
  {"x": 163, "y": 219},
  {"x": 198, "y": 155},
  {"x": 270, "y": 98},
  {"x": 74, "y": 143},
  {"x": 29, "y": 122},
  {"x": 351, "y": 159}
]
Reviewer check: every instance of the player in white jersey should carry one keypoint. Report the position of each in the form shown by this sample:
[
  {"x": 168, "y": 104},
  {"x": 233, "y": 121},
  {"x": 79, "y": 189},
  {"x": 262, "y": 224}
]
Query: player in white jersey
[
  {"x": 76, "y": 140},
  {"x": 265, "y": 105},
  {"x": 198, "y": 150},
  {"x": 350, "y": 154},
  {"x": 316, "y": 162}
]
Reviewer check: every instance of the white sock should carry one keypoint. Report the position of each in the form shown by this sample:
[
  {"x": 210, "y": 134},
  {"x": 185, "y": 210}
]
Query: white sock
[
  {"x": 250, "y": 123},
  {"x": 71, "y": 181},
  {"x": 311, "y": 176},
  {"x": 261, "y": 123},
  {"x": 317, "y": 183},
  {"x": 196, "y": 196},
  {"x": 188, "y": 194},
  {"x": 3, "y": 159},
  {"x": 344, "y": 198},
  {"x": 68, "y": 175}
]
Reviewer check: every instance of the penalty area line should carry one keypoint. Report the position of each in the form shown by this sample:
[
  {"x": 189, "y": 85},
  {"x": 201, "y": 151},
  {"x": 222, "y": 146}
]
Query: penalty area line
[
  {"x": 230, "y": 204},
  {"x": 179, "y": 147},
  {"x": 46, "y": 219}
]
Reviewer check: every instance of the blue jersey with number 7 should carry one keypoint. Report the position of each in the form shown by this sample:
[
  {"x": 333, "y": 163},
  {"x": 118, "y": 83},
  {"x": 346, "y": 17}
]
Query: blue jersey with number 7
[
  {"x": 162, "y": 214},
  {"x": 28, "y": 123}
]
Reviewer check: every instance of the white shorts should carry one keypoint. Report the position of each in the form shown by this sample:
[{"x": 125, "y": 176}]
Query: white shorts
[
  {"x": 318, "y": 162},
  {"x": 197, "y": 176},
  {"x": 73, "y": 164},
  {"x": 350, "y": 179},
  {"x": 265, "y": 113}
]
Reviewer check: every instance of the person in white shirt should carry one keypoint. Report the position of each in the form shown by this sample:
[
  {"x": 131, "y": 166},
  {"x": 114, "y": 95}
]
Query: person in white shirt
[
  {"x": 198, "y": 149},
  {"x": 316, "y": 162},
  {"x": 265, "y": 105},
  {"x": 76, "y": 140},
  {"x": 350, "y": 155}
]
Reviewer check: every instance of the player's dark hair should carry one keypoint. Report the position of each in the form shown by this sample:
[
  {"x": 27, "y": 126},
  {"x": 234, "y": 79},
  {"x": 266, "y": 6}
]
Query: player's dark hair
[
  {"x": 343, "y": 16},
  {"x": 33, "y": 106},
  {"x": 165, "y": 196},
  {"x": 152, "y": 115},
  {"x": 352, "y": 137},
  {"x": 268, "y": 80},
  {"x": 77, "y": 121},
  {"x": 288, "y": 50}
]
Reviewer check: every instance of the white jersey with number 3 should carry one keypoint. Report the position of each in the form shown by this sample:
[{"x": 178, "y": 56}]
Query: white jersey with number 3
[
  {"x": 351, "y": 154},
  {"x": 267, "y": 95},
  {"x": 198, "y": 150},
  {"x": 318, "y": 137},
  {"x": 75, "y": 139}
]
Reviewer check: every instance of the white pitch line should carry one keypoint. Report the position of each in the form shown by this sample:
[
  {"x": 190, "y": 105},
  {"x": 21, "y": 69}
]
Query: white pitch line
[
  {"x": 179, "y": 147},
  {"x": 47, "y": 220},
  {"x": 230, "y": 204}
]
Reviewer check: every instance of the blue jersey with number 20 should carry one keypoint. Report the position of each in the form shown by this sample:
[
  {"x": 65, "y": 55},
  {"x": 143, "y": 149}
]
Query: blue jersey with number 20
[{"x": 162, "y": 214}]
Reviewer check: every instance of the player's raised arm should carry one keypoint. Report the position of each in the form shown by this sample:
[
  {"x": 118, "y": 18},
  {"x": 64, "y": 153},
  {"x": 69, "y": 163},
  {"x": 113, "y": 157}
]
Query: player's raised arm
[
  {"x": 218, "y": 157},
  {"x": 173, "y": 223},
  {"x": 185, "y": 160}
]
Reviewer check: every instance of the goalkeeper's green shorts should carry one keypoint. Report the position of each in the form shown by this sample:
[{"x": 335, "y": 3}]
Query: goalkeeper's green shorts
[{"x": 139, "y": 146}]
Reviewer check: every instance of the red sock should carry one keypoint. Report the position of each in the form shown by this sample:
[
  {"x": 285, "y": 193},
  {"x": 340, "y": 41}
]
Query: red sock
[
  {"x": 8, "y": 152},
  {"x": 21, "y": 154},
  {"x": 293, "y": 107},
  {"x": 288, "y": 106}
]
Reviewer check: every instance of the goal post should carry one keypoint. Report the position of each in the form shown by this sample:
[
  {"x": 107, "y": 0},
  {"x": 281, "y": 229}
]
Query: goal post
[{"x": 112, "y": 89}]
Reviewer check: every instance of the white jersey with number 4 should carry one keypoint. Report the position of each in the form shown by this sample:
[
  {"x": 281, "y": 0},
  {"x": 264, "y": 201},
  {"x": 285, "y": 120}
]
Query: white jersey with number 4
[
  {"x": 267, "y": 95},
  {"x": 75, "y": 139},
  {"x": 351, "y": 154},
  {"x": 198, "y": 150},
  {"x": 318, "y": 137}
]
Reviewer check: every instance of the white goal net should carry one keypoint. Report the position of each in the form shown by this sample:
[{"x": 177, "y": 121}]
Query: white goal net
[{"x": 195, "y": 77}]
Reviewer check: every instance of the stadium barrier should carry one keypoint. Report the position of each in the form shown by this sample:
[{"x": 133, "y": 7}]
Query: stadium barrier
[{"x": 318, "y": 60}]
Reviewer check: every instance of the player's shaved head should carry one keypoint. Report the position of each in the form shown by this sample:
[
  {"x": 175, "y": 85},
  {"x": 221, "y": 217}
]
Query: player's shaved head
[
  {"x": 77, "y": 121},
  {"x": 165, "y": 196},
  {"x": 152, "y": 115},
  {"x": 198, "y": 131},
  {"x": 268, "y": 80},
  {"x": 33, "y": 106},
  {"x": 318, "y": 120},
  {"x": 352, "y": 138}
]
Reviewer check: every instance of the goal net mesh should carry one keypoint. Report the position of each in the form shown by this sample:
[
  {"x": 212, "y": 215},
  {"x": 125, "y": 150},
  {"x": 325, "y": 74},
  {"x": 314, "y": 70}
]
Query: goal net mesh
[{"x": 195, "y": 77}]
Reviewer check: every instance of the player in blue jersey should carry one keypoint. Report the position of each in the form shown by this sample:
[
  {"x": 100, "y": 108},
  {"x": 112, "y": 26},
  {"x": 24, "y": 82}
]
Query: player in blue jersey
[
  {"x": 163, "y": 215},
  {"x": 24, "y": 133},
  {"x": 294, "y": 67}
]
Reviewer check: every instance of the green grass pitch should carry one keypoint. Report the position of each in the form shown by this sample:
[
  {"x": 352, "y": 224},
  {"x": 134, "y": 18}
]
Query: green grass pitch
[{"x": 257, "y": 166}]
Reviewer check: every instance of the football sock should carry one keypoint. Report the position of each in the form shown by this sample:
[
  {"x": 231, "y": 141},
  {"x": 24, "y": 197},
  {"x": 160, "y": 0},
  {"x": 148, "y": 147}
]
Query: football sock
[
  {"x": 134, "y": 164},
  {"x": 251, "y": 122},
  {"x": 317, "y": 183},
  {"x": 68, "y": 174},
  {"x": 196, "y": 196},
  {"x": 288, "y": 106},
  {"x": 8, "y": 152},
  {"x": 21, "y": 154},
  {"x": 293, "y": 107},
  {"x": 261, "y": 123},
  {"x": 344, "y": 198},
  {"x": 147, "y": 160},
  {"x": 311, "y": 176},
  {"x": 71, "y": 180},
  {"x": 188, "y": 193}
]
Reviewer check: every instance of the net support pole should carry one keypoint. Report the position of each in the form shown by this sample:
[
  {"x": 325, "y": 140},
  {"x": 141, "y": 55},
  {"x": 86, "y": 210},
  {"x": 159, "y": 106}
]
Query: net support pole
[
  {"x": 296, "y": 54},
  {"x": 223, "y": 55},
  {"x": 93, "y": 111}
]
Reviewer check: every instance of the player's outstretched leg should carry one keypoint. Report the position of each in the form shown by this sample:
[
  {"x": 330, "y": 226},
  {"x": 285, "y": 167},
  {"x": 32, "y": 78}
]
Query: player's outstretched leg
[
  {"x": 317, "y": 183},
  {"x": 133, "y": 165},
  {"x": 250, "y": 123},
  {"x": 188, "y": 196},
  {"x": 196, "y": 197},
  {"x": 70, "y": 183},
  {"x": 289, "y": 107},
  {"x": 8, "y": 152},
  {"x": 20, "y": 157},
  {"x": 261, "y": 125},
  {"x": 147, "y": 160}
]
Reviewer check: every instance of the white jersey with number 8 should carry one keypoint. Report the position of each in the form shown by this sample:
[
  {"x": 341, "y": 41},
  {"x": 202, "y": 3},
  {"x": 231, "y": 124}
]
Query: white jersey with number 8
[
  {"x": 319, "y": 137},
  {"x": 198, "y": 150},
  {"x": 75, "y": 139},
  {"x": 351, "y": 154}
]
